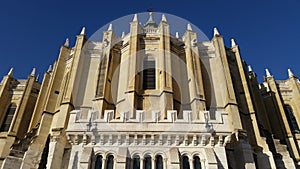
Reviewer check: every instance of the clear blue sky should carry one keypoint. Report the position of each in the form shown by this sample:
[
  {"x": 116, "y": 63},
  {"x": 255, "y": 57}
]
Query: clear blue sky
[{"x": 267, "y": 31}]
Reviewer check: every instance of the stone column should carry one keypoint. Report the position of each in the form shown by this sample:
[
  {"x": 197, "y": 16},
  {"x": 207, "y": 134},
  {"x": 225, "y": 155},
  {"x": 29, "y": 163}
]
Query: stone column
[
  {"x": 103, "y": 163},
  {"x": 153, "y": 166},
  {"x": 165, "y": 163},
  {"x": 191, "y": 161},
  {"x": 141, "y": 163}
]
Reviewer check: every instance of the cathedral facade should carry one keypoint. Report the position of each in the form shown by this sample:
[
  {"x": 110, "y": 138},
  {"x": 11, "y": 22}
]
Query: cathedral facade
[{"x": 149, "y": 100}]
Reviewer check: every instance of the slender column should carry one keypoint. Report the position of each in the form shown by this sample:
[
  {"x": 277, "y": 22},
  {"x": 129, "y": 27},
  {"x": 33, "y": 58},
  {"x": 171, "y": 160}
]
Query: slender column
[
  {"x": 115, "y": 163},
  {"x": 153, "y": 166},
  {"x": 141, "y": 163},
  {"x": 191, "y": 163},
  {"x": 103, "y": 163},
  {"x": 165, "y": 163}
]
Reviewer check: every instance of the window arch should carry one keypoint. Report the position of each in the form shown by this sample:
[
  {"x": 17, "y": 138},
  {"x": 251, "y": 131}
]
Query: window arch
[
  {"x": 136, "y": 162},
  {"x": 291, "y": 119},
  {"x": 185, "y": 164},
  {"x": 110, "y": 162},
  {"x": 197, "y": 163},
  {"x": 8, "y": 117},
  {"x": 98, "y": 162},
  {"x": 149, "y": 75},
  {"x": 159, "y": 162},
  {"x": 147, "y": 162}
]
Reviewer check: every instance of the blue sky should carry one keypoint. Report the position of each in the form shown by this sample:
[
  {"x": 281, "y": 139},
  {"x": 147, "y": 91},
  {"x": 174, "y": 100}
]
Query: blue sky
[{"x": 267, "y": 31}]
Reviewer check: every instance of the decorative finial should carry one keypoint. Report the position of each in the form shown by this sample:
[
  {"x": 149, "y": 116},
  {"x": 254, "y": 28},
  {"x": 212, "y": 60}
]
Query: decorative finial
[
  {"x": 163, "y": 18},
  {"x": 50, "y": 68},
  {"x": 82, "y": 31},
  {"x": 249, "y": 68},
  {"x": 233, "y": 43},
  {"x": 11, "y": 71},
  {"x": 177, "y": 35},
  {"x": 67, "y": 43},
  {"x": 189, "y": 27},
  {"x": 135, "y": 18},
  {"x": 110, "y": 27},
  {"x": 123, "y": 34},
  {"x": 37, "y": 77},
  {"x": 291, "y": 74},
  {"x": 32, "y": 72},
  {"x": 268, "y": 73},
  {"x": 216, "y": 32}
]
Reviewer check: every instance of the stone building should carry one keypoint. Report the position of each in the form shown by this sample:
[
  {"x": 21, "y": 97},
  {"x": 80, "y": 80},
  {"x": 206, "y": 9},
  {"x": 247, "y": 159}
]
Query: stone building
[{"x": 149, "y": 100}]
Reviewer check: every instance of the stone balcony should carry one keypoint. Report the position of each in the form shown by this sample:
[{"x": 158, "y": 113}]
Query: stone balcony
[{"x": 125, "y": 131}]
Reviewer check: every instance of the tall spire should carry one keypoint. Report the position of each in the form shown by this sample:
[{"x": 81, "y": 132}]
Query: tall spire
[
  {"x": 135, "y": 18},
  {"x": 37, "y": 77},
  {"x": 189, "y": 27},
  {"x": 150, "y": 20},
  {"x": 233, "y": 43},
  {"x": 11, "y": 71},
  {"x": 33, "y": 72},
  {"x": 67, "y": 43},
  {"x": 82, "y": 31},
  {"x": 50, "y": 68},
  {"x": 110, "y": 27},
  {"x": 177, "y": 35},
  {"x": 249, "y": 68},
  {"x": 291, "y": 74},
  {"x": 123, "y": 35},
  {"x": 216, "y": 32},
  {"x": 268, "y": 73},
  {"x": 163, "y": 18}
]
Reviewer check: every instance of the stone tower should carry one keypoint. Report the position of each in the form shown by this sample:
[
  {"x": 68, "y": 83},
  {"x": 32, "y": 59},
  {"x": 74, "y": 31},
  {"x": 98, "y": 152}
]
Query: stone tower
[{"x": 149, "y": 100}]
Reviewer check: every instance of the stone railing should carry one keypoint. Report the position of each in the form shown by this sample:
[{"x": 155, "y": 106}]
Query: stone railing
[{"x": 127, "y": 131}]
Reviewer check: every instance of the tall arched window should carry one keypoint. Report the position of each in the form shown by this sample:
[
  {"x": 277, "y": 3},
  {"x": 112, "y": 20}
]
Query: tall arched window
[
  {"x": 136, "y": 162},
  {"x": 185, "y": 162},
  {"x": 291, "y": 119},
  {"x": 159, "y": 162},
  {"x": 149, "y": 74},
  {"x": 8, "y": 117},
  {"x": 110, "y": 162},
  {"x": 147, "y": 162},
  {"x": 98, "y": 162},
  {"x": 197, "y": 163}
]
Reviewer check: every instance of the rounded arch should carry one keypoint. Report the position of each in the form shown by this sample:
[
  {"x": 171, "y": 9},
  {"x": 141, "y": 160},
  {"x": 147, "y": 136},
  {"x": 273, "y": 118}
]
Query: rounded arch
[
  {"x": 185, "y": 153},
  {"x": 163, "y": 154},
  {"x": 147, "y": 153},
  {"x": 136, "y": 152}
]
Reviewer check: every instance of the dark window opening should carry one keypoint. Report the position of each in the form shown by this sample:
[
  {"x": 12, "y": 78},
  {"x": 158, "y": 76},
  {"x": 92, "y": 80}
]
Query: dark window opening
[
  {"x": 159, "y": 162},
  {"x": 147, "y": 162},
  {"x": 43, "y": 162},
  {"x": 8, "y": 117},
  {"x": 98, "y": 162},
  {"x": 110, "y": 162},
  {"x": 185, "y": 162},
  {"x": 197, "y": 163},
  {"x": 149, "y": 74},
  {"x": 136, "y": 162},
  {"x": 291, "y": 119}
]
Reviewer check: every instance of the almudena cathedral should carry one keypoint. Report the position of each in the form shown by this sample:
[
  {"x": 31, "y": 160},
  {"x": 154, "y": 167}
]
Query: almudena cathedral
[{"x": 149, "y": 99}]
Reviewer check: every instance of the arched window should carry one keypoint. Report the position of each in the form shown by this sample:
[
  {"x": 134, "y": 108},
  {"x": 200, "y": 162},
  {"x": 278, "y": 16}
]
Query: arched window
[
  {"x": 147, "y": 162},
  {"x": 8, "y": 117},
  {"x": 197, "y": 163},
  {"x": 98, "y": 162},
  {"x": 291, "y": 119},
  {"x": 159, "y": 162},
  {"x": 110, "y": 162},
  {"x": 185, "y": 162},
  {"x": 136, "y": 162},
  {"x": 149, "y": 74}
]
